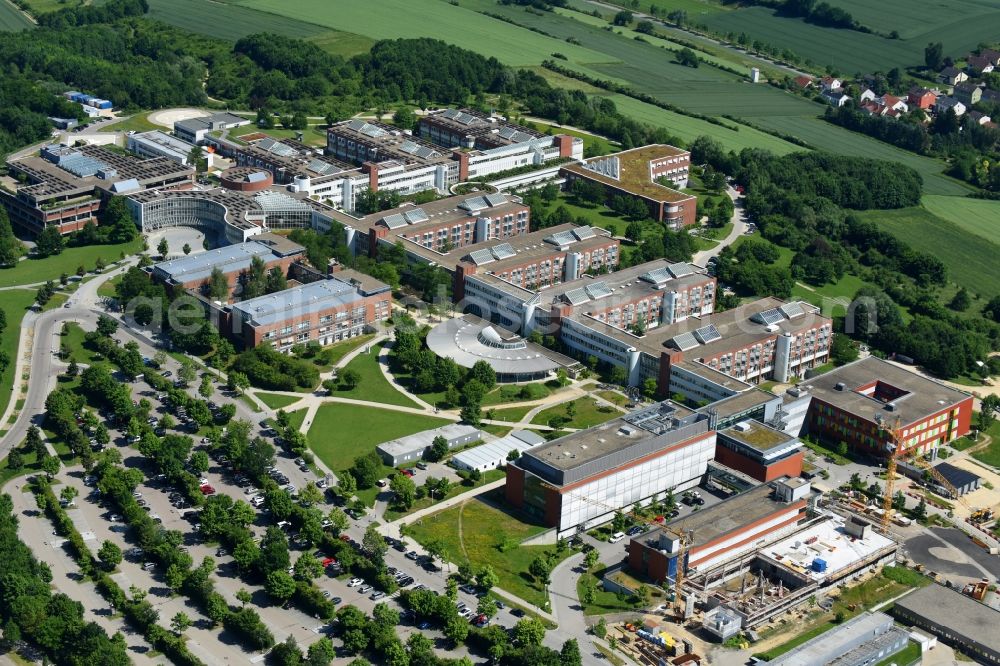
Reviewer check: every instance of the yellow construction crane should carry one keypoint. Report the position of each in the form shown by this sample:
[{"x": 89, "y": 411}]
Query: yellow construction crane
[
  {"x": 683, "y": 540},
  {"x": 896, "y": 452}
]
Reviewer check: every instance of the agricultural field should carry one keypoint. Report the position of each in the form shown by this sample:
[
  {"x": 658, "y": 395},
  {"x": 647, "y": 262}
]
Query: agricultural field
[
  {"x": 971, "y": 261},
  {"x": 978, "y": 216},
  {"x": 392, "y": 19},
  {"x": 960, "y": 26},
  {"x": 233, "y": 21},
  {"x": 11, "y": 18}
]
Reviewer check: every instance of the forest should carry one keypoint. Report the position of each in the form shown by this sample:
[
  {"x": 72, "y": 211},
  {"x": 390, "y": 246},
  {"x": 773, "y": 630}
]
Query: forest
[{"x": 805, "y": 202}]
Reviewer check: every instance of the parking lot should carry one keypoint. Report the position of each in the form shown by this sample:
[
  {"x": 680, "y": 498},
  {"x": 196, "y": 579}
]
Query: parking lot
[{"x": 97, "y": 521}]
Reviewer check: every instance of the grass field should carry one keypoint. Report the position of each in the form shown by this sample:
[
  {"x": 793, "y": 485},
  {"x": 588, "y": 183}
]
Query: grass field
[
  {"x": 978, "y": 216},
  {"x": 588, "y": 414},
  {"x": 137, "y": 123},
  {"x": 14, "y": 303},
  {"x": 473, "y": 530},
  {"x": 512, "y": 414},
  {"x": 33, "y": 271},
  {"x": 392, "y": 19},
  {"x": 971, "y": 261},
  {"x": 488, "y": 477},
  {"x": 276, "y": 401},
  {"x": 373, "y": 386},
  {"x": 340, "y": 433},
  {"x": 314, "y": 135},
  {"x": 595, "y": 145},
  {"x": 11, "y": 18}
]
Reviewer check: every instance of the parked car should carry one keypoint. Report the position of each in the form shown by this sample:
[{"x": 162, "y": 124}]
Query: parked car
[{"x": 616, "y": 537}]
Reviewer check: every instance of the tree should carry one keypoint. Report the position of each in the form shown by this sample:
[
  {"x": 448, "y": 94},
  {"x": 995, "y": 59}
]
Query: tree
[
  {"x": 404, "y": 491},
  {"x": 218, "y": 285},
  {"x": 243, "y": 596},
  {"x": 601, "y": 628},
  {"x": 11, "y": 248},
  {"x": 199, "y": 462},
  {"x": 367, "y": 469},
  {"x": 49, "y": 242},
  {"x": 618, "y": 521},
  {"x": 186, "y": 249},
  {"x": 307, "y": 567},
  {"x": 899, "y": 501},
  {"x": 456, "y": 629},
  {"x": 487, "y": 578},
  {"x": 529, "y": 631},
  {"x": 320, "y": 653},
  {"x": 274, "y": 551},
  {"x": 842, "y": 448},
  {"x": 486, "y": 606},
  {"x": 187, "y": 372},
  {"x": 687, "y": 57},
  {"x": 933, "y": 55},
  {"x": 855, "y": 482},
  {"x": 280, "y": 586},
  {"x": 623, "y": 17},
  {"x": 483, "y": 373},
  {"x": 569, "y": 655},
  {"x": 110, "y": 554},
  {"x": 237, "y": 381},
  {"x": 404, "y": 118},
  {"x": 349, "y": 379},
  {"x": 50, "y": 465},
  {"x": 591, "y": 559},
  {"x": 374, "y": 543},
  {"x": 197, "y": 160},
  {"x": 163, "y": 247},
  {"x": 472, "y": 413},
  {"x": 540, "y": 569},
  {"x": 180, "y": 622},
  {"x": 961, "y": 301},
  {"x": 920, "y": 512},
  {"x": 842, "y": 350},
  {"x": 437, "y": 450},
  {"x": 15, "y": 461},
  {"x": 106, "y": 326}
]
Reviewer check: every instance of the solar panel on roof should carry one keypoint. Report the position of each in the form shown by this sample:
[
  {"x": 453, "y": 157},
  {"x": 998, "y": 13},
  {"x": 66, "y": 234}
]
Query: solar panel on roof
[
  {"x": 450, "y": 113},
  {"x": 707, "y": 334},
  {"x": 416, "y": 215},
  {"x": 769, "y": 317},
  {"x": 408, "y": 147},
  {"x": 372, "y": 131},
  {"x": 507, "y": 132},
  {"x": 684, "y": 341},
  {"x": 576, "y": 296},
  {"x": 394, "y": 221},
  {"x": 520, "y": 137},
  {"x": 561, "y": 238},
  {"x": 792, "y": 310},
  {"x": 583, "y": 233},
  {"x": 658, "y": 276},
  {"x": 424, "y": 152},
  {"x": 496, "y": 199},
  {"x": 598, "y": 290},
  {"x": 503, "y": 251},
  {"x": 475, "y": 203},
  {"x": 680, "y": 269},
  {"x": 356, "y": 125},
  {"x": 480, "y": 257},
  {"x": 257, "y": 177}
]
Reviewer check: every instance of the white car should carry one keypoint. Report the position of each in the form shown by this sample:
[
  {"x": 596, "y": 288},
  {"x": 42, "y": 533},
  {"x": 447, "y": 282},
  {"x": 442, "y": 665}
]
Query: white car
[
  {"x": 616, "y": 537},
  {"x": 354, "y": 582}
]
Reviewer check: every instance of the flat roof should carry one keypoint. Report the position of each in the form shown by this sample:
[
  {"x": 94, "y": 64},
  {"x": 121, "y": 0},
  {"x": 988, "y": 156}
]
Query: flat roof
[
  {"x": 729, "y": 515},
  {"x": 206, "y": 122},
  {"x": 297, "y": 301},
  {"x": 740, "y": 403},
  {"x": 497, "y": 449},
  {"x": 469, "y": 339},
  {"x": 657, "y": 276},
  {"x": 759, "y": 437},
  {"x": 633, "y": 172},
  {"x": 713, "y": 375},
  {"x": 818, "y": 649},
  {"x": 229, "y": 259},
  {"x": 279, "y": 244},
  {"x": 364, "y": 282},
  {"x": 164, "y": 141},
  {"x": 628, "y": 436},
  {"x": 736, "y": 328},
  {"x": 410, "y": 216},
  {"x": 923, "y": 396},
  {"x": 828, "y": 541},
  {"x": 421, "y": 440},
  {"x": 955, "y": 613}
]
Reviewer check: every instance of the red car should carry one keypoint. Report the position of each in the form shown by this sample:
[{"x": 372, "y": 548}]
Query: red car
[
  {"x": 328, "y": 561},
  {"x": 207, "y": 490},
  {"x": 344, "y": 537},
  {"x": 406, "y": 472}
]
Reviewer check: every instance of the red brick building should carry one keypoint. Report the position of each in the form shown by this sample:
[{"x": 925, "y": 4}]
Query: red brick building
[
  {"x": 722, "y": 532},
  {"x": 861, "y": 402},
  {"x": 327, "y": 311}
]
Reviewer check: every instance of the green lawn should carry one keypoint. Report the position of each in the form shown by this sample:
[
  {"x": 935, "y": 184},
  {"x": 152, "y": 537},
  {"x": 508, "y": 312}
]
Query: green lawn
[
  {"x": 610, "y": 602},
  {"x": 138, "y": 123},
  {"x": 108, "y": 288},
  {"x": 33, "y": 271},
  {"x": 73, "y": 343},
  {"x": 373, "y": 386},
  {"x": 594, "y": 145},
  {"x": 830, "y": 296},
  {"x": 908, "y": 655},
  {"x": 15, "y": 304},
  {"x": 314, "y": 135},
  {"x": 473, "y": 531},
  {"x": 614, "y": 397},
  {"x": 516, "y": 393},
  {"x": 488, "y": 477},
  {"x": 971, "y": 261},
  {"x": 276, "y": 401},
  {"x": 512, "y": 414},
  {"x": 588, "y": 414},
  {"x": 296, "y": 418},
  {"x": 991, "y": 454},
  {"x": 978, "y": 216},
  {"x": 340, "y": 433}
]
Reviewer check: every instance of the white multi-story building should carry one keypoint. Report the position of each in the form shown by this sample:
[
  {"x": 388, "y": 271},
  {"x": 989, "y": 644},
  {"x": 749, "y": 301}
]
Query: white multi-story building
[{"x": 578, "y": 481}]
